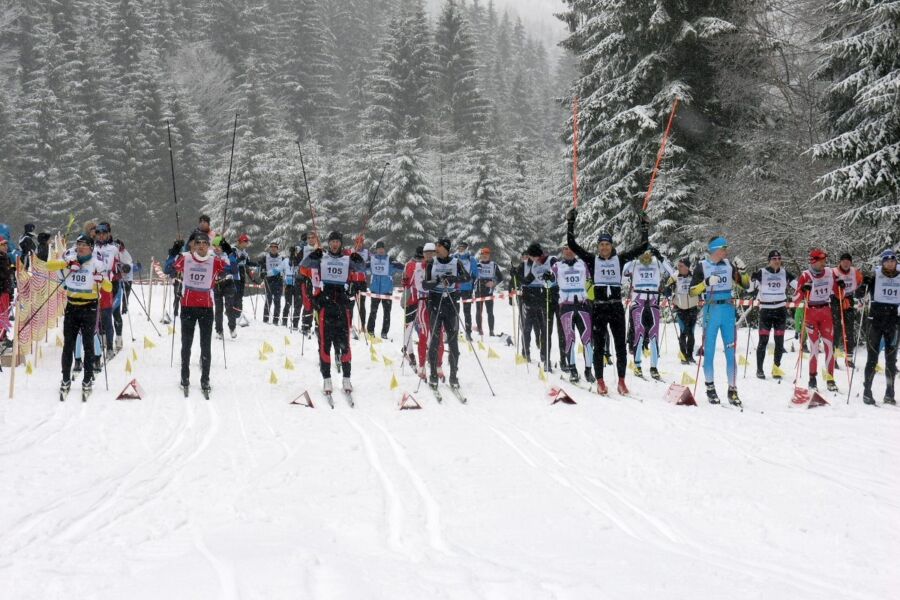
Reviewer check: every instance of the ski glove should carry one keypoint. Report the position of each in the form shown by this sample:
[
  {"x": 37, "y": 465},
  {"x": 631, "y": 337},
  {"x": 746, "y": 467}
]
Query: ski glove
[
  {"x": 547, "y": 277},
  {"x": 316, "y": 254},
  {"x": 655, "y": 252},
  {"x": 126, "y": 268},
  {"x": 571, "y": 215},
  {"x": 841, "y": 284},
  {"x": 74, "y": 265},
  {"x": 807, "y": 288},
  {"x": 740, "y": 264},
  {"x": 175, "y": 250},
  {"x": 355, "y": 257}
]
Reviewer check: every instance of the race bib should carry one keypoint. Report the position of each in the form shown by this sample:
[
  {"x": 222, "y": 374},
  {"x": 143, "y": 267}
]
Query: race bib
[
  {"x": 607, "y": 272},
  {"x": 887, "y": 289},
  {"x": 380, "y": 266},
  {"x": 335, "y": 269}
]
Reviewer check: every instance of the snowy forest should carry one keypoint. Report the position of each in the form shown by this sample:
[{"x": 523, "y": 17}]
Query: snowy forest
[{"x": 787, "y": 134}]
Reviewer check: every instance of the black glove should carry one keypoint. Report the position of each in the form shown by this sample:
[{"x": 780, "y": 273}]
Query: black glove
[
  {"x": 571, "y": 215},
  {"x": 841, "y": 284},
  {"x": 448, "y": 280},
  {"x": 355, "y": 257},
  {"x": 316, "y": 254},
  {"x": 126, "y": 268},
  {"x": 226, "y": 247},
  {"x": 547, "y": 276},
  {"x": 655, "y": 253},
  {"x": 807, "y": 287},
  {"x": 176, "y": 248},
  {"x": 645, "y": 222}
]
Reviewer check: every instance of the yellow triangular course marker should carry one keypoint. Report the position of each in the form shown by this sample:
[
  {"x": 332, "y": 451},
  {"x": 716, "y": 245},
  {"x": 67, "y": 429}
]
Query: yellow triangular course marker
[
  {"x": 267, "y": 348},
  {"x": 148, "y": 344},
  {"x": 879, "y": 369},
  {"x": 273, "y": 379},
  {"x": 394, "y": 383},
  {"x": 492, "y": 353},
  {"x": 262, "y": 356},
  {"x": 40, "y": 352},
  {"x": 288, "y": 365},
  {"x": 375, "y": 339},
  {"x": 59, "y": 342},
  {"x": 128, "y": 366},
  {"x": 581, "y": 349},
  {"x": 777, "y": 372},
  {"x": 134, "y": 355},
  {"x": 171, "y": 330},
  {"x": 28, "y": 368},
  {"x": 287, "y": 341},
  {"x": 687, "y": 379},
  {"x": 541, "y": 375},
  {"x": 387, "y": 362},
  {"x": 606, "y": 361},
  {"x": 646, "y": 352},
  {"x": 838, "y": 353},
  {"x": 520, "y": 360},
  {"x": 631, "y": 365},
  {"x": 682, "y": 357},
  {"x": 742, "y": 361},
  {"x": 373, "y": 355},
  {"x": 771, "y": 352},
  {"x": 480, "y": 345}
]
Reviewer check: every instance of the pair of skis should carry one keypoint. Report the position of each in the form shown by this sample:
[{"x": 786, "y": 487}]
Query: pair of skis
[
  {"x": 65, "y": 389},
  {"x": 348, "y": 394},
  {"x": 187, "y": 390},
  {"x": 455, "y": 390}
]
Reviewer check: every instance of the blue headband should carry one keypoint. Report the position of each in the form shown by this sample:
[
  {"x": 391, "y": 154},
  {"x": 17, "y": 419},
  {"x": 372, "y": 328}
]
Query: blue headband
[{"x": 717, "y": 244}]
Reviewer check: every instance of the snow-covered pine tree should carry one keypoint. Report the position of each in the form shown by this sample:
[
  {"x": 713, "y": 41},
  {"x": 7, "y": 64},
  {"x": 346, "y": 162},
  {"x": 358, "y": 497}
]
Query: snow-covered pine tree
[
  {"x": 635, "y": 58},
  {"x": 862, "y": 109},
  {"x": 460, "y": 105},
  {"x": 488, "y": 221},
  {"x": 403, "y": 218}
]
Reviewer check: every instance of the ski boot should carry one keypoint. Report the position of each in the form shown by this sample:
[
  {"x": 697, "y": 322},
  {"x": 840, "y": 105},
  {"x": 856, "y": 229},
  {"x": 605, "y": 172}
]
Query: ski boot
[
  {"x": 233, "y": 333},
  {"x": 813, "y": 385},
  {"x": 733, "y": 397},
  {"x": 119, "y": 344},
  {"x": 573, "y": 375},
  {"x": 433, "y": 380},
  {"x": 347, "y": 386},
  {"x": 185, "y": 386},
  {"x": 304, "y": 331},
  {"x": 98, "y": 364},
  {"x": 219, "y": 335},
  {"x": 589, "y": 375},
  {"x": 384, "y": 336},
  {"x": 621, "y": 387},
  {"x": 87, "y": 386},
  {"x": 711, "y": 394},
  {"x": 454, "y": 381},
  {"x": 654, "y": 373},
  {"x": 77, "y": 368},
  {"x": 889, "y": 396},
  {"x": 64, "y": 388},
  {"x": 601, "y": 388},
  {"x": 326, "y": 385},
  {"x": 638, "y": 372},
  {"x": 830, "y": 384},
  {"x": 868, "y": 398},
  {"x": 205, "y": 389},
  {"x": 760, "y": 374},
  {"x": 851, "y": 364}
]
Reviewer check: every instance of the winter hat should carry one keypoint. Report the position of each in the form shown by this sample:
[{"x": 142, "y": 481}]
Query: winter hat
[
  {"x": 605, "y": 237},
  {"x": 534, "y": 249},
  {"x": 244, "y": 238},
  {"x": 888, "y": 255},
  {"x": 685, "y": 261},
  {"x": 485, "y": 250},
  {"x": 379, "y": 244},
  {"x": 846, "y": 256},
  {"x": 420, "y": 252},
  {"x": 774, "y": 254},
  {"x": 304, "y": 236},
  {"x": 85, "y": 239},
  {"x": 43, "y": 237},
  {"x": 717, "y": 243},
  {"x": 29, "y": 227},
  {"x": 462, "y": 244},
  {"x": 817, "y": 254},
  {"x": 274, "y": 243},
  {"x": 336, "y": 235},
  {"x": 445, "y": 242},
  {"x": 203, "y": 219},
  {"x": 103, "y": 228},
  {"x": 217, "y": 241},
  {"x": 429, "y": 247},
  {"x": 198, "y": 236}
]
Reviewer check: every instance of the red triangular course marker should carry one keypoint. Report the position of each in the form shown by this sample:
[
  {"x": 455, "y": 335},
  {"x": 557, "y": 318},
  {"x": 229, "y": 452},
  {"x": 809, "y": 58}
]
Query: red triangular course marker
[
  {"x": 559, "y": 395},
  {"x": 409, "y": 403},
  {"x": 680, "y": 395},
  {"x": 303, "y": 400},
  {"x": 817, "y": 400},
  {"x": 132, "y": 391}
]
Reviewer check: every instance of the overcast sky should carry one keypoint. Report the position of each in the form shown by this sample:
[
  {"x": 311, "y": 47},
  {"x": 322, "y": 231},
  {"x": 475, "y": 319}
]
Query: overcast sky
[{"x": 537, "y": 14}]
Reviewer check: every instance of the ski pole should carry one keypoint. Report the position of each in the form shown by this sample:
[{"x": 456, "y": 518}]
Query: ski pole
[
  {"x": 172, "y": 354},
  {"x": 312, "y": 210},
  {"x": 144, "y": 308},
  {"x": 228, "y": 185},
  {"x": 165, "y": 301},
  {"x": 459, "y": 325},
  {"x": 802, "y": 332},
  {"x": 862, "y": 314},
  {"x": 705, "y": 315},
  {"x": 843, "y": 327},
  {"x": 362, "y": 327},
  {"x": 103, "y": 346},
  {"x": 432, "y": 337},
  {"x": 130, "y": 327},
  {"x": 174, "y": 193},
  {"x": 749, "y": 332}
]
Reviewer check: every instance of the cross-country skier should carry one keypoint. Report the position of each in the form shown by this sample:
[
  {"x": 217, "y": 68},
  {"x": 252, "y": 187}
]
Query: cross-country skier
[
  {"x": 441, "y": 276},
  {"x": 605, "y": 269},
  {"x": 199, "y": 269},
  {"x": 274, "y": 282},
  {"x": 771, "y": 285},
  {"x": 845, "y": 299},
  {"x": 243, "y": 276},
  {"x": 571, "y": 274},
  {"x": 488, "y": 275},
  {"x": 7, "y": 289},
  {"x": 292, "y": 296},
  {"x": 382, "y": 269},
  {"x": 331, "y": 300},
  {"x": 715, "y": 277},
  {"x": 307, "y": 285},
  {"x": 126, "y": 263},
  {"x": 410, "y": 302},
  {"x": 423, "y": 315},
  {"x": 106, "y": 253},
  {"x": 539, "y": 291},
  {"x": 816, "y": 286},
  {"x": 84, "y": 279},
  {"x": 223, "y": 290},
  {"x": 686, "y": 309},
  {"x": 884, "y": 323},
  {"x": 27, "y": 245},
  {"x": 358, "y": 283},
  {"x": 470, "y": 263},
  {"x": 647, "y": 274}
]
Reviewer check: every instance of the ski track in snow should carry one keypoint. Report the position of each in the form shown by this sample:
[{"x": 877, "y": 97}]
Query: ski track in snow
[{"x": 200, "y": 474}]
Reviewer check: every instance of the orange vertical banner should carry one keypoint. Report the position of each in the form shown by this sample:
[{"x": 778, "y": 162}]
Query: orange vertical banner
[{"x": 659, "y": 155}]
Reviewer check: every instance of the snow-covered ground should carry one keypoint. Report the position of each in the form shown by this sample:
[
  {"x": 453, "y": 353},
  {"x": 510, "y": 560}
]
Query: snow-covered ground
[{"x": 247, "y": 496}]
